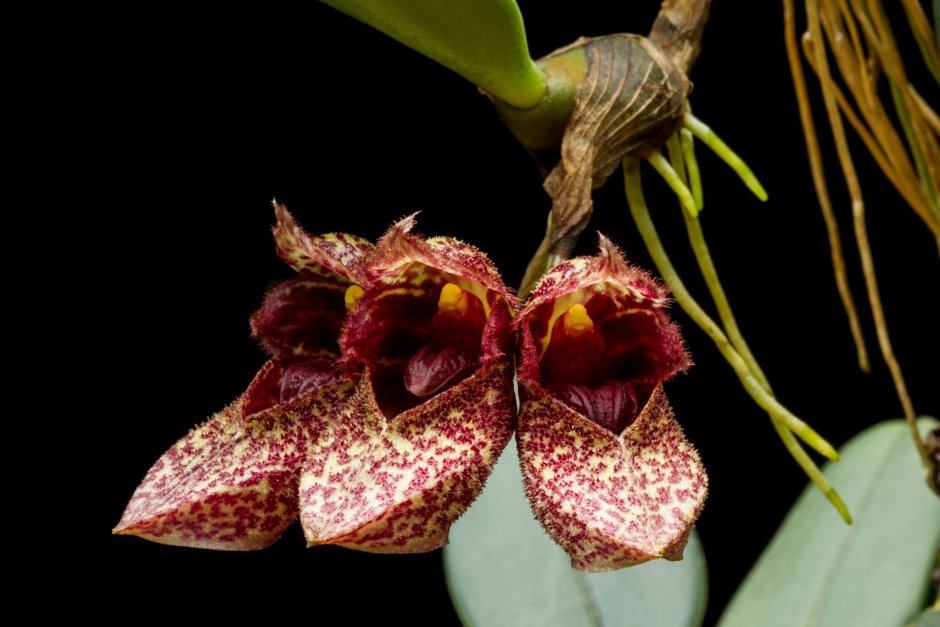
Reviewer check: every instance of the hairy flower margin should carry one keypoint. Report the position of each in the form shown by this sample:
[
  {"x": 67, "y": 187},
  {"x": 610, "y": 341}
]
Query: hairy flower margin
[
  {"x": 606, "y": 467},
  {"x": 389, "y": 396}
]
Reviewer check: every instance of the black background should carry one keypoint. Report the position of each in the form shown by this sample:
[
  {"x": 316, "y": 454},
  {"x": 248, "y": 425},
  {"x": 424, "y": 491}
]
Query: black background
[{"x": 205, "y": 117}]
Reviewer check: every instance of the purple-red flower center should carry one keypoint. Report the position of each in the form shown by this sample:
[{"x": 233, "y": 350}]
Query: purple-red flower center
[
  {"x": 307, "y": 376},
  {"x": 453, "y": 347},
  {"x": 299, "y": 323},
  {"x": 601, "y": 355},
  {"x": 420, "y": 341}
]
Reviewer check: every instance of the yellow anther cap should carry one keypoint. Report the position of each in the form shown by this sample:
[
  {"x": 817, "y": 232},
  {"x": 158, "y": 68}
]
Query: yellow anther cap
[
  {"x": 577, "y": 319},
  {"x": 353, "y": 295},
  {"x": 451, "y": 297}
]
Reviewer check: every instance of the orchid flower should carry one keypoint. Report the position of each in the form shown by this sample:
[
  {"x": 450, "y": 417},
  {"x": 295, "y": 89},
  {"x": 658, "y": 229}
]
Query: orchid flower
[
  {"x": 429, "y": 339},
  {"x": 607, "y": 470},
  {"x": 231, "y": 483},
  {"x": 389, "y": 397}
]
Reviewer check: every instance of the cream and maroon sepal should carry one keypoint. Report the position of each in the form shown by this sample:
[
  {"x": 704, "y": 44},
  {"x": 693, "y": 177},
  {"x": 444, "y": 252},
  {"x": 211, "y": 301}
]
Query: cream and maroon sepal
[
  {"x": 430, "y": 338},
  {"x": 397, "y": 485},
  {"x": 609, "y": 500},
  {"x": 231, "y": 483},
  {"x": 607, "y": 469}
]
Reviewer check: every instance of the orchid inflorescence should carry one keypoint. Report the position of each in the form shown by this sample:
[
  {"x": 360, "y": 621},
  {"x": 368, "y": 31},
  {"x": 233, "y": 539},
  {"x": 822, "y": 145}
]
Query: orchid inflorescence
[{"x": 389, "y": 395}]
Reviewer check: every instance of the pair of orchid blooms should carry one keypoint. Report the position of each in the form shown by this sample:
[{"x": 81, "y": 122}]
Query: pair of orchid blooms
[{"x": 389, "y": 396}]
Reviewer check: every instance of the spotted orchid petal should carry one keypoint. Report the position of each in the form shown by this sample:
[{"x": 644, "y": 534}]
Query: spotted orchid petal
[
  {"x": 396, "y": 485},
  {"x": 607, "y": 469},
  {"x": 231, "y": 483},
  {"x": 331, "y": 255},
  {"x": 430, "y": 338}
]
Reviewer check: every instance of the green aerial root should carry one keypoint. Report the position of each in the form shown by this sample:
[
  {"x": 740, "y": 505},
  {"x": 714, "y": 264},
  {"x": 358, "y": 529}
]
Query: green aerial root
[
  {"x": 734, "y": 350},
  {"x": 688, "y": 156},
  {"x": 658, "y": 161},
  {"x": 720, "y": 148}
]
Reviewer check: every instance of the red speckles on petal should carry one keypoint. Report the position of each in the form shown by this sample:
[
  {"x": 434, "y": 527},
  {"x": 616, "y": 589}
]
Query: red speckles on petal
[
  {"x": 609, "y": 501},
  {"x": 609, "y": 266},
  {"x": 231, "y": 483},
  {"x": 397, "y": 486},
  {"x": 389, "y": 463},
  {"x": 607, "y": 470},
  {"x": 338, "y": 254},
  {"x": 594, "y": 325},
  {"x": 399, "y": 247},
  {"x": 434, "y": 312}
]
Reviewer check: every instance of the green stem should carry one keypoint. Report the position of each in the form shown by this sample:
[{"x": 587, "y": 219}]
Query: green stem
[
  {"x": 695, "y": 311},
  {"x": 482, "y": 40}
]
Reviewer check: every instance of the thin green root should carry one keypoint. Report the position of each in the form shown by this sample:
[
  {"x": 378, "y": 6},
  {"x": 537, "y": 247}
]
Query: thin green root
[
  {"x": 813, "y": 472},
  {"x": 783, "y": 420},
  {"x": 691, "y": 164},
  {"x": 751, "y": 375},
  {"x": 720, "y": 148},
  {"x": 659, "y": 163}
]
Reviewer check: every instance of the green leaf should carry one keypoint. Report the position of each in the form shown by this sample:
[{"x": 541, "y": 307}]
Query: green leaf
[
  {"x": 819, "y": 571},
  {"x": 482, "y": 40},
  {"x": 503, "y": 570},
  {"x": 928, "y": 618}
]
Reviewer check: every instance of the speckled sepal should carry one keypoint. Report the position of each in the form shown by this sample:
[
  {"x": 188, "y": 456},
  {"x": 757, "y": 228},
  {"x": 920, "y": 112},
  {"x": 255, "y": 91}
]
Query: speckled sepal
[
  {"x": 397, "y": 486},
  {"x": 399, "y": 249},
  {"x": 231, "y": 483},
  {"x": 337, "y": 254},
  {"x": 609, "y": 501}
]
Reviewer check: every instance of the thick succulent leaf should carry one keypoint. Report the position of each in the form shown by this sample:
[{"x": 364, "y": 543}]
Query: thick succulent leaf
[
  {"x": 397, "y": 486},
  {"x": 231, "y": 483},
  {"x": 610, "y": 501},
  {"x": 338, "y": 255},
  {"x": 503, "y": 571},
  {"x": 928, "y": 618},
  {"x": 819, "y": 571},
  {"x": 482, "y": 40}
]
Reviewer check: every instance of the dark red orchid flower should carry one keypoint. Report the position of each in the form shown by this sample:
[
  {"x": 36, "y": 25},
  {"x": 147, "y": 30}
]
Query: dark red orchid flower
[
  {"x": 429, "y": 340},
  {"x": 389, "y": 397},
  {"x": 607, "y": 470},
  {"x": 231, "y": 483}
]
